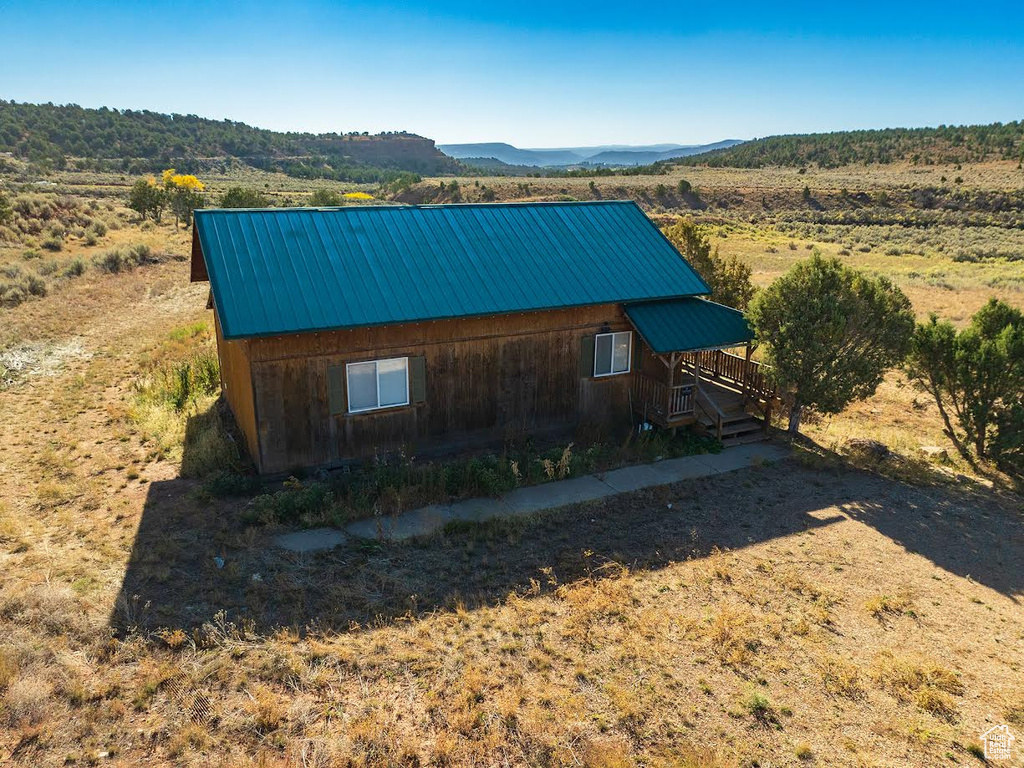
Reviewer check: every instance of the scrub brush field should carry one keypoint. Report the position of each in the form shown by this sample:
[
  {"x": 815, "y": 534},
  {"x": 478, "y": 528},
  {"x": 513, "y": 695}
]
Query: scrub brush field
[{"x": 827, "y": 609}]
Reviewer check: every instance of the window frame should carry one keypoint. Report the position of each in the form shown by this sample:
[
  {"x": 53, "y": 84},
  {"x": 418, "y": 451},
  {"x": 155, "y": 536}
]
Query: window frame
[
  {"x": 629, "y": 354},
  {"x": 376, "y": 373}
]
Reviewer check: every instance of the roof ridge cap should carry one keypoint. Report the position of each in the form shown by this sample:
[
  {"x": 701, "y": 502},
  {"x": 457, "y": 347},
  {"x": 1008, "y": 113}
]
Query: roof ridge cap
[{"x": 417, "y": 206}]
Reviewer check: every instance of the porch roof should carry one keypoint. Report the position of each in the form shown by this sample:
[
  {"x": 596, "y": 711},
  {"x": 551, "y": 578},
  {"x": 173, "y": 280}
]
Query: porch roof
[{"x": 683, "y": 325}]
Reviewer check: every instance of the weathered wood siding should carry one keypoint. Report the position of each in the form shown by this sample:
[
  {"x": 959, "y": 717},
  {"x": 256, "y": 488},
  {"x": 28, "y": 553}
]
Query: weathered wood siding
[
  {"x": 237, "y": 385},
  {"x": 491, "y": 377}
]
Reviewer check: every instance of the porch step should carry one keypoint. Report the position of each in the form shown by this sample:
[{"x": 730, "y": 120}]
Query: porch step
[
  {"x": 733, "y": 428},
  {"x": 733, "y": 423},
  {"x": 750, "y": 437},
  {"x": 734, "y": 417}
]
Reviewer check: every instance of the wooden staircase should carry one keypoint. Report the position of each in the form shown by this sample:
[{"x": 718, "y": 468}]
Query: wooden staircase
[
  {"x": 736, "y": 430},
  {"x": 722, "y": 413}
]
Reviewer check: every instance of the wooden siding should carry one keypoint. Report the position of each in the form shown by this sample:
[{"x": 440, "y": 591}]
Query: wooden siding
[
  {"x": 197, "y": 265},
  {"x": 488, "y": 378},
  {"x": 237, "y": 385}
]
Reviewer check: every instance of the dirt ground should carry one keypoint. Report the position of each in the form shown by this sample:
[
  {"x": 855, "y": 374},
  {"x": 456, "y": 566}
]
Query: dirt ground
[
  {"x": 803, "y": 612},
  {"x": 807, "y": 612}
]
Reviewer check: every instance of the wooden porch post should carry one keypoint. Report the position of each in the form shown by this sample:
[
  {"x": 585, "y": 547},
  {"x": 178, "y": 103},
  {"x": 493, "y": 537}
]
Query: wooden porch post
[
  {"x": 671, "y": 382},
  {"x": 746, "y": 373}
]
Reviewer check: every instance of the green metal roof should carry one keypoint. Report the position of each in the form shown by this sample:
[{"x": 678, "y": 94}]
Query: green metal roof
[
  {"x": 681, "y": 325},
  {"x": 293, "y": 270}
]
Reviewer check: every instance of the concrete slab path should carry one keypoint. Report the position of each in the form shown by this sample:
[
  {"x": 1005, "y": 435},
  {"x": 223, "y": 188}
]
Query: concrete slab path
[
  {"x": 311, "y": 540},
  {"x": 534, "y": 498}
]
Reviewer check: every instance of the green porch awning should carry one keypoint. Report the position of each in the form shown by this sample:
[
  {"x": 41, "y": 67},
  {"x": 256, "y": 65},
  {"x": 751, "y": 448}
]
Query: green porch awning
[{"x": 683, "y": 325}]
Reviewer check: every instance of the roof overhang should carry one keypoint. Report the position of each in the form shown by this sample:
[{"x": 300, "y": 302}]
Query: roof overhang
[{"x": 687, "y": 324}]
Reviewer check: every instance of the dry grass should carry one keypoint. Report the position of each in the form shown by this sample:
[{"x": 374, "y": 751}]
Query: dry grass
[{"x": 807, "y": 612}]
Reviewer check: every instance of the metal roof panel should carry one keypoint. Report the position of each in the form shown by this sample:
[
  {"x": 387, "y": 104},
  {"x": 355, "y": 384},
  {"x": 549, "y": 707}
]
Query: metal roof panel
[
  {"x": 292, "y": 270},
  {"x": 682, "y": 325}
]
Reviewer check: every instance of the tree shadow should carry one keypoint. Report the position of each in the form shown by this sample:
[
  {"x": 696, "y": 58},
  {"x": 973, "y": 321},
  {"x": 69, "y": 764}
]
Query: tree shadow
[
  {"x": 974, "y": 533},
  {"x": 194, "y": 558}
]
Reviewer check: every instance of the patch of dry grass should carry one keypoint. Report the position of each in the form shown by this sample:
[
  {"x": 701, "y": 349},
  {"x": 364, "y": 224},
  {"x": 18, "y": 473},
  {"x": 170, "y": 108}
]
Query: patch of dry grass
[
  {"x": 841, "y": 677},
  {"x": 931, "y": 687},
  {"x": 900, "y": 604}
]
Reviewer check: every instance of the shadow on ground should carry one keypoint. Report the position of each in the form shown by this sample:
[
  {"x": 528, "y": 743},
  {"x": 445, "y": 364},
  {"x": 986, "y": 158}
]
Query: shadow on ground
[{"x": 174, "y": 580}]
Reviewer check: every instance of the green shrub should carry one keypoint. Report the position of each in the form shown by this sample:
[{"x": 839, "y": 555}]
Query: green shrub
[
  {"x": 126, "y": 259},
  {"x": 243, "y": 197},
  {"x": 975, "y": 376},
  {"x": 224, "y": 483},
  {"x": 114, "y": 262},
  {"x": 36, "y": 285},
  {"x": 53, "y": 243},
  {"x": 760, "y": 707},
  {"x": 297, "y": 502},
  {"x": 19, "y": 287},
  {"x": 76, "y": 268},
  {"x": 143, "y": 254},
  {"x": 325, "y": 198}
]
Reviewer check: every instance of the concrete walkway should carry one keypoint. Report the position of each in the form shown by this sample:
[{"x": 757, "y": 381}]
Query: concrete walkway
[
  {"x": 311, "y": 540},
  {"x": 534, "y": 498},
  {"x": 525, "y": 501}
]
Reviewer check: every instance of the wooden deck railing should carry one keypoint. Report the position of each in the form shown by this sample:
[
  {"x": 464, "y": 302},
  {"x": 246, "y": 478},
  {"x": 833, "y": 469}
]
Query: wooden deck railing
[
  {"x": 658, "y": 399},
  {"x": 747, "y": 376},
  {"x": 711, "y": 410}
]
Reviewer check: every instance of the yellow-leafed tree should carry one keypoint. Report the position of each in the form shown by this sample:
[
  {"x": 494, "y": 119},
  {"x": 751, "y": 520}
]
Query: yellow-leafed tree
[{"x": 185, "y": 194}]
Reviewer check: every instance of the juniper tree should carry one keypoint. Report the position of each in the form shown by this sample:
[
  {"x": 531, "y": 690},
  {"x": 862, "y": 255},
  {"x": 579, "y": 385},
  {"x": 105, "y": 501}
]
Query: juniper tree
[
  {"x": 728, "y": 278},
  {"x": 830, "y": 333},
  {"x": 146, "y": 198},
  {"x": 243, "y": 197},
  {"x": 975, "y": 376}
]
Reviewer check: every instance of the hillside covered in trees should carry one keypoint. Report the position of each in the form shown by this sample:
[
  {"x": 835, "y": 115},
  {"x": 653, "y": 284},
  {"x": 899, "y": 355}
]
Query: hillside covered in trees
[
  {"x": 945, "y": 144},
  {"x": 140, "y": 141}
]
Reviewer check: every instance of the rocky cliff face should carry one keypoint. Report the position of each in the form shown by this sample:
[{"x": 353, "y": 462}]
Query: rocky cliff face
[{"x": 404, "y": 151}]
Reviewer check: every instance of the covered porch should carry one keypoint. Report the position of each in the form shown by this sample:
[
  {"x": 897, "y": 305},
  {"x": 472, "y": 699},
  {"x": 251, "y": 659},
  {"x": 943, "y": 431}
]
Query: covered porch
[{"x": 694, "y": 367}]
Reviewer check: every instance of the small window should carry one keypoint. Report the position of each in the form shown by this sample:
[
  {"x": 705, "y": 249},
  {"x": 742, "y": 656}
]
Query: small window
[
  {"x": 378, "y": 384},
  {"x": 612, "y": 353}
]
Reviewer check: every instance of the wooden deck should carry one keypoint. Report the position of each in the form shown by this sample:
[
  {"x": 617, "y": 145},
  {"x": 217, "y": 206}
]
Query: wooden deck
[{"x": 718, "y": 393}]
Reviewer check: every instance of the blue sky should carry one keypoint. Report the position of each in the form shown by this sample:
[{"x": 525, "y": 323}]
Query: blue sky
[{"x": 531, "y": 73}]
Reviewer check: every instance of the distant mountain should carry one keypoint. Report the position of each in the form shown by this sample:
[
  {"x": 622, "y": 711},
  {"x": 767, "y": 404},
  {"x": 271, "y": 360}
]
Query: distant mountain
[
  {"x": 510, "y": 155},
  {"x": 613, "y": 154},
  {"x": 944, "y": 144},
  {"x": 642, "y": 157}
]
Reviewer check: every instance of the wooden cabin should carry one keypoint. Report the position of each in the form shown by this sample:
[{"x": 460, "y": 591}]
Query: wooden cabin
[{"x": 349, "y": 332}]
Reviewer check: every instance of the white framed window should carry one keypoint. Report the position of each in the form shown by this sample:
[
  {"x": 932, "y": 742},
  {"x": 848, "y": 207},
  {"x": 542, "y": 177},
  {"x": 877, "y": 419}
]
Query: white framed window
[
  {"x": 377, "y": 384},
  {"x": 612, "y": 353}
]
